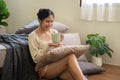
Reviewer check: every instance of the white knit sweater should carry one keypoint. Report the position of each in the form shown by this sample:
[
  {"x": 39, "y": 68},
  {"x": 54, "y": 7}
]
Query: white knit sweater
[{"x": 38, "y": 47}]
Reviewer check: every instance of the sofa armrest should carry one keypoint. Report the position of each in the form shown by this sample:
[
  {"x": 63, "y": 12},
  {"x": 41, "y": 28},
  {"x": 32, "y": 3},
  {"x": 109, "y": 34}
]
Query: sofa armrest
[{"x": 2, "y": 55}]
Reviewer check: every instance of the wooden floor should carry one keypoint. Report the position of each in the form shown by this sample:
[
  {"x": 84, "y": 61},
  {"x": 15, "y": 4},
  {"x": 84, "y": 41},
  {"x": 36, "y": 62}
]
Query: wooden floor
[{"x": 111, "y": 73}]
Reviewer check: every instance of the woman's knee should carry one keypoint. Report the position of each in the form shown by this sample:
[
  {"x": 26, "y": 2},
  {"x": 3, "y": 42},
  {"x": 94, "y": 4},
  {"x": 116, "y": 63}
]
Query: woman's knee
[{"x": 71, "y": 57}]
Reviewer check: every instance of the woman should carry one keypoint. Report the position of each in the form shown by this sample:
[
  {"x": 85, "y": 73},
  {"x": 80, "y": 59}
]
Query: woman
[{"x": 40, "y": 40}]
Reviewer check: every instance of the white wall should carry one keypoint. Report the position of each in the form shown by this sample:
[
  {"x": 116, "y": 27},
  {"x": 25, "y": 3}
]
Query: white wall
[{"x": 68, "y": 12}]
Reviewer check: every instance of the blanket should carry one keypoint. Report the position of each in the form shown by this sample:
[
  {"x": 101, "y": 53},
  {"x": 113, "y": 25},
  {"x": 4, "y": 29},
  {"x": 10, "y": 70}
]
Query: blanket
[{"x": 18, "y": 63}]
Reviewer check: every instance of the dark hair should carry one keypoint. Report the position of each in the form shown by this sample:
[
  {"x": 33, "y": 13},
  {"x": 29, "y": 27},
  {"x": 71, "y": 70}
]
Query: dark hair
[{"x": 44, "y": 13}]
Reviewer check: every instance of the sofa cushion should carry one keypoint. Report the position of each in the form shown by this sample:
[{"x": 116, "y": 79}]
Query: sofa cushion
[
  {"x": 90, "y": 68},
  {"x": 2, "y": 55},
  {"x": 73, "y": 39},
  {"x": 60, "y": 27}
]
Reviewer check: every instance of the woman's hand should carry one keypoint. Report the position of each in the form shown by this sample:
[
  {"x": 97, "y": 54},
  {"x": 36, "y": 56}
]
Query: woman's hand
[
  {"x": 59, "y": 44},
  {"x": 61, "y": 37},
  {"x": 55, "y": 44}
]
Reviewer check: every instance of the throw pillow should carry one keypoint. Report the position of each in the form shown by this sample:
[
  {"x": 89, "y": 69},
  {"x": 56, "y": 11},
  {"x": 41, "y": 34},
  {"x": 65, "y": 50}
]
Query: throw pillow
[
  {"x": 60, "y": 27},
  {"x": 90, "y": 68},
  {"x": 58, "y": 53},
  {"x": 26, "y": 29},
  {"x": 82, "y": 58},
  {"x": 34, "y": 24}
]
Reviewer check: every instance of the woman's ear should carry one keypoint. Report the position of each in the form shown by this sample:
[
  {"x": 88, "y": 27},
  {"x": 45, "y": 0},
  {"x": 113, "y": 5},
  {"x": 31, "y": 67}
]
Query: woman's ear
[{"x": 39, "y": 20}]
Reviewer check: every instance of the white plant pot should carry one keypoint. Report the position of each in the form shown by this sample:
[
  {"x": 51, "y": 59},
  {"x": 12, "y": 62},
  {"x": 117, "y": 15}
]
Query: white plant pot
[{"x": 97, "y": 60}]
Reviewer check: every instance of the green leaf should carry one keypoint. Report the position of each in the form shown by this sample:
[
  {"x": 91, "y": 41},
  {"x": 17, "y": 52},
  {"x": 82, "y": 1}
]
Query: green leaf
[
  {"x": 2, "y": 4},
  {"x": 4, "y": 13},
  {"x": 109, "y": 54},
  {"x": 4, "y": 23}
]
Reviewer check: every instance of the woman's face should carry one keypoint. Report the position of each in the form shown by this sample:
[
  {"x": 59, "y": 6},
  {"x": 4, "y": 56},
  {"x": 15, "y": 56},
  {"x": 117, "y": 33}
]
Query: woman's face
[{"x": 47, "y": 23}]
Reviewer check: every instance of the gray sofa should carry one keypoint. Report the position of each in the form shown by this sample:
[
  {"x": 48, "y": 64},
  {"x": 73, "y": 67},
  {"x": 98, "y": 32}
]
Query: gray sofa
[
  {"x": 2, "y": 56},
  {"x": 70, "y": 39}
]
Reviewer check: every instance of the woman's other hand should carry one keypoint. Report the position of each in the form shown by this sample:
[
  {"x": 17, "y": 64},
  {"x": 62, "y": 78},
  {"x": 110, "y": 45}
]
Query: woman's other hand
[
  {"x": 61, "y": 37},
  {"x": 55, "y": 44}
]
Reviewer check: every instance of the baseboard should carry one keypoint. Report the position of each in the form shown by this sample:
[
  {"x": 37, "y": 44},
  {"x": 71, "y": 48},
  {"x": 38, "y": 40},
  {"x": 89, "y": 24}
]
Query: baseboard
[{"x": 111, "y": 64}]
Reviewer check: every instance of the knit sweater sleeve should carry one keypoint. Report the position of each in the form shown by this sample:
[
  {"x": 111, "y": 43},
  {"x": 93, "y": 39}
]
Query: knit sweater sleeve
[{"x": 35, "y": 51}]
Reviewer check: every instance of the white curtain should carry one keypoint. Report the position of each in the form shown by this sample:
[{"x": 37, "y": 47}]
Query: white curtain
[{"x": 100, "y": 10}]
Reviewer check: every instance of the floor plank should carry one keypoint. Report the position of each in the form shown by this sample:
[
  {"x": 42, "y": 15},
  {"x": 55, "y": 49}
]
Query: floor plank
[{"x": 112, "y": 73}]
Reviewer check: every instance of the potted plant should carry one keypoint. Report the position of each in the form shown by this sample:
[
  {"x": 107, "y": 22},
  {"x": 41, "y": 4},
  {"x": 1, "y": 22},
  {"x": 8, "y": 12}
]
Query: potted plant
[
  {"x": 98, "y": 47},
  {"x": 4, "y": 13}
]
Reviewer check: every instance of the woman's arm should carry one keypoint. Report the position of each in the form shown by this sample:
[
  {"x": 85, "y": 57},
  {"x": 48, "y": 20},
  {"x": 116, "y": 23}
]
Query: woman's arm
[{"x": 35, "y": 51}]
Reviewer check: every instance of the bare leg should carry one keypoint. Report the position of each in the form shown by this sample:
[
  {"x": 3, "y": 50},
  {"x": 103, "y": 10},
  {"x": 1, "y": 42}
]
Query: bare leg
[
  {"x": 66, "y": 76},
  {"x": 67, "y": 63}
]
